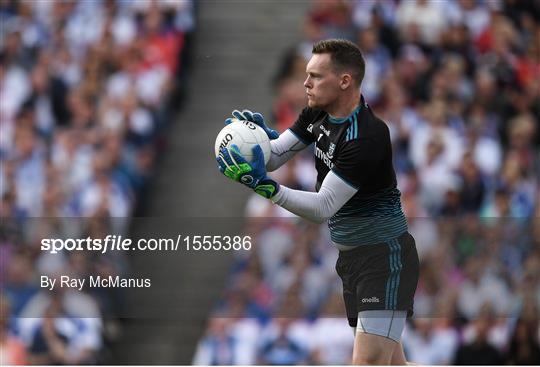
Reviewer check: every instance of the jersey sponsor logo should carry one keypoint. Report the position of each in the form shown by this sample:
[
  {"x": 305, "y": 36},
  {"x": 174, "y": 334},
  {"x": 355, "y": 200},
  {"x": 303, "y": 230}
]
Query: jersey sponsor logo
[
  {"x": 331, "y": 150},
  {"x": 323, "y": 157},
  {"x": 326, "y": 132},
  {"x": 310, "y": 128},
  {"x": 371, "y": 300}
]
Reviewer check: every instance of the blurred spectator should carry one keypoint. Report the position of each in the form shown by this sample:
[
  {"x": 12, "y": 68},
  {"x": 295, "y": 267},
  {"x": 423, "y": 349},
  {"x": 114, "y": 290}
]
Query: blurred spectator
[
  {"x": 479, "y": 351},
  {"x": 20, "y": 286},
  {"x": 377, "y": 60},
  {"x": 338, "y": 349},
  {"x": 283, "y": 342},
  {"x": 329, "y": 19},
  {"x": 302, "y": 273},
  {"x": 524, "y": 348},
  {"x": 497, "y": 333},
  {"x": 472, "y": 191},
  {"x": 480, "y": 288},
  {"x": 428, "y": 344},
  {"x": 218, "y": 347},
  {"x": 60, "y": 336},
  {"x": 483, "y": 140},
  {"x": 13, "y": 351},
  {"x": 420, "y": 21}
]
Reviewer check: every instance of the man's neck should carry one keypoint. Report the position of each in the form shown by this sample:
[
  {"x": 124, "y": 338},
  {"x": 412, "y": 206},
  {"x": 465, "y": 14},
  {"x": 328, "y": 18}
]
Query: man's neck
[{"x": 344, "y": 107}]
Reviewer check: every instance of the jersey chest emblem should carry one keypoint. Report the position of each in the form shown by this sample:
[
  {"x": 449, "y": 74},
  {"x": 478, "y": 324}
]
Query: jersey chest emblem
[{"x": 331, "y": 150}]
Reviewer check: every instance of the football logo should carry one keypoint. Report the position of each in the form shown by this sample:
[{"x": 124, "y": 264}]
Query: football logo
[
  {"x": 225, "y": 141},
  {"x": 249, "y": 124}
]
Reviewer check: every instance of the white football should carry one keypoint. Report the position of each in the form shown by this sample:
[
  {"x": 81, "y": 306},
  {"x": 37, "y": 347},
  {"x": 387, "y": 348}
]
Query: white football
[{"x": 244, "y": 134}]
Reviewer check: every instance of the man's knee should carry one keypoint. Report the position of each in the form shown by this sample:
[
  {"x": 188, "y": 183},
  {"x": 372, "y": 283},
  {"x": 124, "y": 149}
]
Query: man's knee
[
  {"x": 398, "y": 357},
  {"x": 372, "y": 350},
  {"x": 371, "y": 359}
]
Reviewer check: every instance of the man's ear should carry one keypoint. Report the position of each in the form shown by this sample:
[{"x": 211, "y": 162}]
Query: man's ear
[{"x": 345, "y": 82}]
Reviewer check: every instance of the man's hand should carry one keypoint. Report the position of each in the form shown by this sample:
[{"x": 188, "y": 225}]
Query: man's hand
[
  {"x": 256, "y": 118},
  {"x": 252, "y": 174}
]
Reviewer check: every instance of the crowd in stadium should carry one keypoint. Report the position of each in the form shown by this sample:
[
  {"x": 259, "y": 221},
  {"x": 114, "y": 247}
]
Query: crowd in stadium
[
  {"x": 458, "y": 83},
  {"x": 85, "y": 88}
]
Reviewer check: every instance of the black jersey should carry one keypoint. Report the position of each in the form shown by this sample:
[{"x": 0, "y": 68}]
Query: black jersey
[{"x": 357, "y": 148}]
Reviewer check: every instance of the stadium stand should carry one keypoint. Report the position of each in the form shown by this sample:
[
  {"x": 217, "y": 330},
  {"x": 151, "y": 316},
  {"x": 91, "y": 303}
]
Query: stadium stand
[
  {"x": 87, "y": 91},
  {"x": 458, "y": 83}
]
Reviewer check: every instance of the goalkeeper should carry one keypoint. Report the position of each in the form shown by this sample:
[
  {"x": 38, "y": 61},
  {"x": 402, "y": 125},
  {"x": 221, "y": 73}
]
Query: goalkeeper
[{"x": 356, "y": 192}]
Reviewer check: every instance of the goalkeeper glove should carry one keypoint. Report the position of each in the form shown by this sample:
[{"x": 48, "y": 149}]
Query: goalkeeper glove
[
  {"x": 256, "y": 118},
  {"x": 252, "y": 174}
]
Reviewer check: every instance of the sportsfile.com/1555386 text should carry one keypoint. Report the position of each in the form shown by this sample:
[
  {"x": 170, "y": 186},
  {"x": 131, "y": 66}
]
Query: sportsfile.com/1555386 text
[{"x": 121, "y": 243}]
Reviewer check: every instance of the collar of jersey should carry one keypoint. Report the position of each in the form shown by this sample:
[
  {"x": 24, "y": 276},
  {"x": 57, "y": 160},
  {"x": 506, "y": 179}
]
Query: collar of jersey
[{"x": 340, "y": 120}]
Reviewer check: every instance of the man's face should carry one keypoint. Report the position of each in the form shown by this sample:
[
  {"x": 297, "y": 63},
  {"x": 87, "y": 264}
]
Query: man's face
[{"x": 322, "y": 84}]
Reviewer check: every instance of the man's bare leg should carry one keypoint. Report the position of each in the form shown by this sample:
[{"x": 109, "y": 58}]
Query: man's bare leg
[
  {"x": 398, "y": 357},
  {"x": 371, "y": 349}
]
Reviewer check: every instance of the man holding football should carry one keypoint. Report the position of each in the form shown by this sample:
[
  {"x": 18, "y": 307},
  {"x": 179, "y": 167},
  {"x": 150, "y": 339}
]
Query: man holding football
[{"x": 356, "y": 192}]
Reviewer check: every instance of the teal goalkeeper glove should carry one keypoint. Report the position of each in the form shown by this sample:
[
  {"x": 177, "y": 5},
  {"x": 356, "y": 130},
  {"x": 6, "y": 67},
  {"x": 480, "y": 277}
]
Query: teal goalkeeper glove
[
  {"x": 252, "y": 174},
  {"x": 256, "y": 118}
]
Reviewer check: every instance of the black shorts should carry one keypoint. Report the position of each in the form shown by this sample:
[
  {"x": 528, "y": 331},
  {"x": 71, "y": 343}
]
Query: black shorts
[{"x": 379, "y": 277}]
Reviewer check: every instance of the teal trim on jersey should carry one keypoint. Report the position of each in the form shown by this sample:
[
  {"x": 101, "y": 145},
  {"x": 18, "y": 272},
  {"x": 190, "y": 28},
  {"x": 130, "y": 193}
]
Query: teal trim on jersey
[
  {"x": 345, "y": 180},
  {"x": 355, "y": 127},
  {"x": 369, "y": 221},
  {"x": 352, "y": 130},
  {"x": 340, "y": 120},
  {"x": 299, "y": 138},
  {"x": 337, "y": 120},
  {"x": 392, "y": 284}
]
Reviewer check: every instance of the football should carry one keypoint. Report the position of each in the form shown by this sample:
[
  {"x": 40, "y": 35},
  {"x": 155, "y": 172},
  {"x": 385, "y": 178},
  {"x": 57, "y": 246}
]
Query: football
[{"x": 244, "y": 134}]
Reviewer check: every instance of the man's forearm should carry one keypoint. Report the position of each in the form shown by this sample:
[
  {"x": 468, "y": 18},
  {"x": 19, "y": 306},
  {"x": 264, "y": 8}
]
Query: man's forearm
[{"x": 316, "y": 206}]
